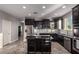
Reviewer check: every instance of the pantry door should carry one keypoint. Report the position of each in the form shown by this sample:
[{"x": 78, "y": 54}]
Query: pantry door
[{"x": 6, "y": 32}]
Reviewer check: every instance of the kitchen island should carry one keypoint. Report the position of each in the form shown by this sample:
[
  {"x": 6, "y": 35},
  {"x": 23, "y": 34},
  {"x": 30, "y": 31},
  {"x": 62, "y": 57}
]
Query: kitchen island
[{"x": 39, "y": 44}]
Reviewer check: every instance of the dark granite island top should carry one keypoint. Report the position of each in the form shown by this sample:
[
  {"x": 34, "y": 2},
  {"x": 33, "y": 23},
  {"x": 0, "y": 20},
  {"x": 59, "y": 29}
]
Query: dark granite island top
[{"x": 38, "y": 37}]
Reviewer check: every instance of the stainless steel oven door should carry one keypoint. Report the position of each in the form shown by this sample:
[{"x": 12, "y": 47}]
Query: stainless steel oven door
[{"x": 76, "y": 43}]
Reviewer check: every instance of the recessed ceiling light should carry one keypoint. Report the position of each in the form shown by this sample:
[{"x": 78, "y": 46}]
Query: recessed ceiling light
[
  {"x": 29, "y": 14},
  {"x": 63, "y": 7},
  {"x": 24, "y": 7},
  {"x": 43, "y": 7}
]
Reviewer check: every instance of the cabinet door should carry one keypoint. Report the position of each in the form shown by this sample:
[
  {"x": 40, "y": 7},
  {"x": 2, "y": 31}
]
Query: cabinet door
[
  {"x": 76, "y": 14},
  {"x": 55, "y": 26},
  {"x": 46, "y": 23},
  {"x": 29, "y": 21},
  {"x": 31, "y": 46},
  {"x": 67, "y": 44},
  {"x": 38, "y": 45}
]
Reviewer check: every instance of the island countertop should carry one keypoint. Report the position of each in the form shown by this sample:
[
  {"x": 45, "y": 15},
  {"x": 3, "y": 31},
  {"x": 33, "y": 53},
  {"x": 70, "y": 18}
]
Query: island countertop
[{"x": 38, "y": 36}]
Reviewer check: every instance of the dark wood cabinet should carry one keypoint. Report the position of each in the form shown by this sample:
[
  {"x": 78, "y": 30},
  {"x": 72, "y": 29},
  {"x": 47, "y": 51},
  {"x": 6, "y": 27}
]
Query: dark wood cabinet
[
  {"x": 38, "y": 24},
  {"x": 55, "y": 25},
  {"x": 31, "y": 45},
  {"x": 29, "y": 21},
  {"x": 45, "y": 23},
  {"x": 55, "y": 20},
  {"x": 38, "y": 45},
  {"x": 75, "y": 13}
]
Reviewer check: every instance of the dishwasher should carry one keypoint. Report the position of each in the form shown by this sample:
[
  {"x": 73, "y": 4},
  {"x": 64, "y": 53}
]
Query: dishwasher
[{"x": 68, "y": 43}]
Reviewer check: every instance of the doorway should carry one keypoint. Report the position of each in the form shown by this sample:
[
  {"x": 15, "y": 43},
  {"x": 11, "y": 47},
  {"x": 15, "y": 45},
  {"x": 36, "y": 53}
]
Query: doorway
[{"x": 19, "y": 31}]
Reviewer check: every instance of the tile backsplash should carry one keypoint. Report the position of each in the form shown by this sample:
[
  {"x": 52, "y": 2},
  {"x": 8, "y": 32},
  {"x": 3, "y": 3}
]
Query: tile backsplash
[
  {"x": 66, "y": 32},
  {"x": 42, "y": 30}
]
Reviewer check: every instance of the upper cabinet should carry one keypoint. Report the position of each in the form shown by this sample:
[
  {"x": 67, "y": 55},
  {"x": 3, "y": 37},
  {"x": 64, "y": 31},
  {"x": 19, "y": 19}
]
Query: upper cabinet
[
  {"x": 75, "y": 14},
  {"x": 55, "y": 23},
  {"x": 38, "y": 24},
  {"x": 45, "y": 23},
  {"x": 75, "y": 11},
  {"x": 29, "y": 21}
]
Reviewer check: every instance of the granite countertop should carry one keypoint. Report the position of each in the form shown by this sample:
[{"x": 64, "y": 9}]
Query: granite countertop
[
  {"x": 68, "y": 36},
  {"x": 38, "y": 36},
  {"x": 45, "y": 36}
]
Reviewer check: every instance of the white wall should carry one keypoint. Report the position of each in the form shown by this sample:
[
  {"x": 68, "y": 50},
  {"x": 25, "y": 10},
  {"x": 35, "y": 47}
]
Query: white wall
[
  {"x": 14, "y": 26},
  {"x": 14, "y": 30},
  {"x": 1, "y": 17},
  {"x": 1, "y": 40},
  {"x": 0, "y": 25}
]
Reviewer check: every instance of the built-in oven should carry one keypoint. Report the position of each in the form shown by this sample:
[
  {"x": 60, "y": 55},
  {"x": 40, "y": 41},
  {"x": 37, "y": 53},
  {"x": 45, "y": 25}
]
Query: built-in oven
[
  {"x": 76, "y": 40},
  {"x": 76, "y": 43}
]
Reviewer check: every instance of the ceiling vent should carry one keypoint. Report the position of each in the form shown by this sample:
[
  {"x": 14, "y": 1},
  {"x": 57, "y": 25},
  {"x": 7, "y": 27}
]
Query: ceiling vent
[{"x": 35, "y": 12}]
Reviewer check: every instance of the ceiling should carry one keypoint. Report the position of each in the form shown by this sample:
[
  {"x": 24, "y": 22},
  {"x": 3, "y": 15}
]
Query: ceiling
[{"x": 36, "y": 10}]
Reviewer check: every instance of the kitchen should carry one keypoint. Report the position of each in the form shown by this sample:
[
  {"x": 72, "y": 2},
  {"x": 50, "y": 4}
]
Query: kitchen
[
  {"x": 41, "y": 33},
  {"x": 43, "y": 28},
  {"x": 39, "y": 29}
]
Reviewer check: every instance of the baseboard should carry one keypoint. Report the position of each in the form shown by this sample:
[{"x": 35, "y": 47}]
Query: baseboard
[{"x": 13, "y": 40}]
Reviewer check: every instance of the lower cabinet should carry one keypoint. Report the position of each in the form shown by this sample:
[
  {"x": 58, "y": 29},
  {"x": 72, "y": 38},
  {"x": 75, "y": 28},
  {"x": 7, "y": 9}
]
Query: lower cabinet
[
  {"x": 31, "y": 46},
  {"x": 68, "y": 43}
]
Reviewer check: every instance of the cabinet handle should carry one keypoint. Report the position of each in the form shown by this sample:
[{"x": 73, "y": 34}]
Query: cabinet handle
[{"x": 47, "y": 41}]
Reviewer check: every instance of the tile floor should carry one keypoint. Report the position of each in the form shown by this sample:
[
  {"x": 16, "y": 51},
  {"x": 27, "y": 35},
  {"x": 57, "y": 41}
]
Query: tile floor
[
  {"x": 20, "y": 47},
  {"x": 58, "y": 49}
]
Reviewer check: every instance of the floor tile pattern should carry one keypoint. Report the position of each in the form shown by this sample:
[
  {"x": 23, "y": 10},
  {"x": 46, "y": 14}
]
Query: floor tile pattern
[{"x": 20, "y": 47}]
